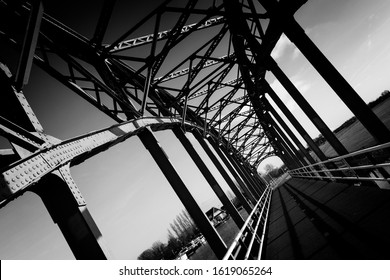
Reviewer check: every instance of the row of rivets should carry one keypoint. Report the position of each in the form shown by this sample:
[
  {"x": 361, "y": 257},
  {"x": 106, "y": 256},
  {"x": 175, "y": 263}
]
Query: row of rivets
[
  {"x": 50, "y": 159},
  {"x": 24, "y": 174},
  {"x": 73, "y": 187}
]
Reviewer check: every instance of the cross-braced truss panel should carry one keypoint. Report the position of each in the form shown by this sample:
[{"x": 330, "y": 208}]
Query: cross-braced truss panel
[{"x": 176, "y": 60}]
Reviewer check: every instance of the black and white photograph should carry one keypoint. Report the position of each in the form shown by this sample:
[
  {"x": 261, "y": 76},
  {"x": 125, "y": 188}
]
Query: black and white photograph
[{"x": 158, "y": 132}]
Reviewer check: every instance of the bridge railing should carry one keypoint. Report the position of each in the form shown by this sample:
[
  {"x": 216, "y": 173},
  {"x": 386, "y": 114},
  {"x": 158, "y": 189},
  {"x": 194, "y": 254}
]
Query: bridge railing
[
  {"x": 248, "y": 243},
  {"x": 356, "y": 166}
]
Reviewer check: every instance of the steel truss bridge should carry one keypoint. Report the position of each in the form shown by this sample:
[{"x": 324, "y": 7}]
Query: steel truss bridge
[{"x": 192, "y": 67}]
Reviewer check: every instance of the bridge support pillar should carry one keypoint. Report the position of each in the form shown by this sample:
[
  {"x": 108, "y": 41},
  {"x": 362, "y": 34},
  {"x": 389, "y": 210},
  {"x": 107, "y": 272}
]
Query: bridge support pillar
[
  {"x": 302, "y": 151},
  {"x": 258, "y": 183},
  {"x": 313, "y": 146},
  {"x": 248, "y": 171},
  {"x": 336, "y": 81},
  {"x": 236, "y": 169},
  {"x": 298, "y": 158},
  {"x": 235, "y": 188},
  {"x": 212, "y": 236},
  {"x": 209, "y": 177},
  {"x": 285, "y": 153},
  {"x": 230, "y": 160},
  {"x": 305, "y": 156},
  {"x": 309, "y": 111},
  {"x": 74, "y": 220}
]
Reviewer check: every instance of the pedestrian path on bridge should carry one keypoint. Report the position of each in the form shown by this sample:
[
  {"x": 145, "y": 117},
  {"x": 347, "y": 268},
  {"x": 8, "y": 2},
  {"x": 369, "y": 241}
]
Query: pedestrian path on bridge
[{"x": 327, "y": 220}]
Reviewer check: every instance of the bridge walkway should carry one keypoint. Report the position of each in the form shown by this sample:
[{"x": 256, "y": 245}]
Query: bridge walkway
[{"x": 327, "y": 220}]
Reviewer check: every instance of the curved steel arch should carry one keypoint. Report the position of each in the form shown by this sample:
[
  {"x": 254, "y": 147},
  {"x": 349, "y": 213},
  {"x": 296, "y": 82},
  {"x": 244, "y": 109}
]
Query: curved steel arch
[
  {"x": 22, "y": 174},
  {"x": 200, "y": 65},
  {"x": 131, "y": 75},
  {"x": 270, "y": 154}
]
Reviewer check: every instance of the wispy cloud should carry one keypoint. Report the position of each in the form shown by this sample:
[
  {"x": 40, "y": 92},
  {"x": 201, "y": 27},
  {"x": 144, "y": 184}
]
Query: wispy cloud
[
  {"x": 291, "y": 105},
  {"x": 279, "y": 89},
  {"x": 299, "y": 83},
  {"x": 295, "y": 53},
  {"x": 283, "y": 47}
]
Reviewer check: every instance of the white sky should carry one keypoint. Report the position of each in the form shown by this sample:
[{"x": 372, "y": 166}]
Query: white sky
[{"x": 126, "y": 193}]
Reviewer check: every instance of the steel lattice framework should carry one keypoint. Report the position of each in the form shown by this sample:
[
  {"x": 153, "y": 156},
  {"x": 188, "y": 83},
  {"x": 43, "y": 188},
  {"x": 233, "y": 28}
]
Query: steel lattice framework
[
  {"x": 129, "y": 78},
  {"x": 198, "y": 65}
]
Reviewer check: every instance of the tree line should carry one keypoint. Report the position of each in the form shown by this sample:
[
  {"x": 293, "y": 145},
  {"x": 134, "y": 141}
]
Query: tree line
[
  {"x": 181, "y": 231},
  {"x": 384, "y": 95}
]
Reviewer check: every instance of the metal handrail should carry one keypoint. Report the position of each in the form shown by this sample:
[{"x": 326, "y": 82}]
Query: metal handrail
[
  {"x": 267, "y": 202},
  {"x": 261, "y": 206},
  {"x": 309, "y": 172},
  {"x": 264, "y": 228}
]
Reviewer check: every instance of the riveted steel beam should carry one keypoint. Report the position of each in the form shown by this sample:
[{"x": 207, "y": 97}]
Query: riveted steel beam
[
  {"x": 215, "y": 241},
  {"x": 238, "y": 186},
  {"x": 336, "y": 81},
  {"x": 290, "y": 147},
  {"x": 20, "y": 175},
  {"x": 235, "y": 169},
  {"x": 179, "y": 73},
  {"x": 104, "y": 18},
  {"x": 209, "y": 177},
  {"x": 72, "y": 217},
  {"x": 29, "y": 44},
  {"x": 147, "y": 39},
  {"x": 306, "y": 107}
]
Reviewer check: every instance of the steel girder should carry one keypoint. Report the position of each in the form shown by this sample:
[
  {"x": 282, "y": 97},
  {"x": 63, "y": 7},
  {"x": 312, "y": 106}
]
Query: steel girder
[
  {"x": 122, "y": 76},
  {"x": 201, "y": 65}
]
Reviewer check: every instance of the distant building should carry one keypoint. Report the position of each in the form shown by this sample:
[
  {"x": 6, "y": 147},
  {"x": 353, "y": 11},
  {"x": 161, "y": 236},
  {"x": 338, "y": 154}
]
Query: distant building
[{"x": 217, "y": 216}]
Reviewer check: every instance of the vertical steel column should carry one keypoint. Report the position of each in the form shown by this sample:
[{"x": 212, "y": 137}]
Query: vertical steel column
[
  {"x": 286, "y": 148},
  {"x": 240, "y": 185},
  {"x": 309, "y": 111},
  {"x": 74, "y": 220},
  {"x": 313, "y": 146},
  {"x": 104, "y": 18},
  {"x": 149, "y": 75},
  {"x": 294, "y": 122},
  {"x": 251, "y": 172},
  {"x": 158, "y": 154},
  {"x": 290, "y": 147},
  {"x": 279, "y": 151},
  {"x": 336, "y": 81},
  {"x": 259, "y": 179},
  {"x": 29, "y": 44},
  {"x": 209, "y": 177},
  {"x": 240, "y": 164},
  {"x": 230, "y": 160},
  {"x": 275, "y": 138},
  {"x": 304, "y": 153},
  {"x": 305, "y": 156},
  {"x": 66, "y": 208},
  {"x": 248, "y": 183},
  {"x": 237, "y": 165}
]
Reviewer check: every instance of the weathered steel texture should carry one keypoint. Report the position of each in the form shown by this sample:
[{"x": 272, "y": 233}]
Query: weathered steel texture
[
  {"x": 209, "y": 177},
  {"x": 56, "y": 187},
  {"x": 122, "y": 90},
  {"x": 29, "y": 44},
  {"x": 234, "y": 170},
  {"x": 72, "y": 217},
  {"x": 238, "y": 186},
  {"x": 142, "y": 82},
  {"x": 147, "y": 39},
  {"x": 338, "y": 83},
  {"x": 307, "y": 108},
  {"x": 29, "y": 170},
  {"x": 215, "y": 241}
]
